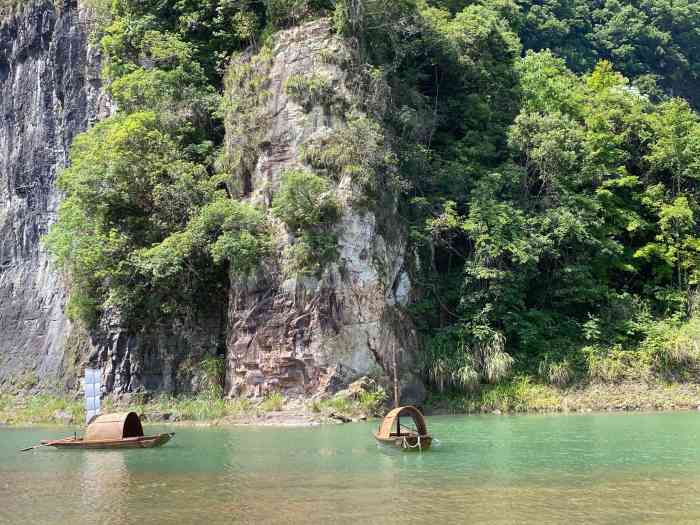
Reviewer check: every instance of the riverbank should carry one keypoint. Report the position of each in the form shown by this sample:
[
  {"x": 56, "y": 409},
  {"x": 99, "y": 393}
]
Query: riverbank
[
  {"x": 42, "y": 409},
  {"x": 523, "y": 396},
  {"x": 517, "y": 396}
]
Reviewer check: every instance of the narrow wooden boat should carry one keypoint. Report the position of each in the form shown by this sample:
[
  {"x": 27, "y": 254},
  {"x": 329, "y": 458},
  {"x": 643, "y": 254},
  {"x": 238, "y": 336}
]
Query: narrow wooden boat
[
  {"x": 392, "y": 432},
  {"x": 134, "y": 442},
  {"x": 113, "y": 431}
]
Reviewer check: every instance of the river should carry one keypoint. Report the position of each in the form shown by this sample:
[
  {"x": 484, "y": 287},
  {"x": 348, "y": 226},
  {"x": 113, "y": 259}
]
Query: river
[{"x": 577, "y": 469}]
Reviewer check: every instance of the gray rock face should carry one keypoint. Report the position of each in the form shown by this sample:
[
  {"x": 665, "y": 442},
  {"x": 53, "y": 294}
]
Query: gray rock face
[
  {"x": 164, "y": 358},
  {"x": 302, "y": 335},
  {"x": 49, "y": 92}
]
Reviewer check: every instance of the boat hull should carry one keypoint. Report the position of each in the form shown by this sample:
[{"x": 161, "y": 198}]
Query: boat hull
[
  {"x": 124, "y": 443},
  {"x": 408, "y": 443}
]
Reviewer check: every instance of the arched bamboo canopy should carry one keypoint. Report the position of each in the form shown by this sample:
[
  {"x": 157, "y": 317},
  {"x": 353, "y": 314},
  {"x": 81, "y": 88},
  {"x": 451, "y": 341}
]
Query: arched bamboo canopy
[
  {"x": 114, "y": 426},
  {"x": 387, "y": 429}
]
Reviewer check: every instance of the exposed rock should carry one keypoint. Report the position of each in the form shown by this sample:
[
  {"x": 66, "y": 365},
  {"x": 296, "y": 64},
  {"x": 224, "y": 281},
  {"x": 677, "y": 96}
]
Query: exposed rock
[
  {"x": 364, "y": 384},
  {"x": 357, "y": 388},
  {"x": 316, "y": 334},
  {"x": 163, "y": 358},
  {"x": 333, "y": 381},
  {"x": 344, "y": 394},
  {"x": 49, "y": 92},
  {"x": 340, "y": 417}
]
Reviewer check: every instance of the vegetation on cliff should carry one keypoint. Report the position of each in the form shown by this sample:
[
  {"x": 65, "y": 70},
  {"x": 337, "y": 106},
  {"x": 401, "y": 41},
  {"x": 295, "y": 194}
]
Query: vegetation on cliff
[{"x": 544, "y": 155}]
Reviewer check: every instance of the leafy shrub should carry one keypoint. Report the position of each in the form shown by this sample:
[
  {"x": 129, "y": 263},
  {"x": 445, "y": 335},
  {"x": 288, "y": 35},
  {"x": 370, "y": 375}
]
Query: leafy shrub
[
  {"x": 214, "y": 370},
  {"x": 371, "y": 402},
  {"x": 612, "y": 365},
  {"x": 496, "y": 364},
  {"x": 307, "y": 205},
  {"x": 305, "y": 201},
  {"x": 455, "y": 372},
  {"x": 310, "y": 90},
  {"x": 358, "y": 152},
  {"x": 310, "y": 253},
  {"x": 244, "y": 106},
  {"x": 673, "y": 348},
  {"x": 284, "y": 13},
  {"x": 449, "y": 362},
  {"x": 138, "y": 218},
  {"x": 518, "y": 395}
]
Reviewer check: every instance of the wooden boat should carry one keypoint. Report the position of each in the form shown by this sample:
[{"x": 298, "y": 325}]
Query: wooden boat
[
  {"x": 392, "y": 432},
  {"x": 112, "y": 431}
]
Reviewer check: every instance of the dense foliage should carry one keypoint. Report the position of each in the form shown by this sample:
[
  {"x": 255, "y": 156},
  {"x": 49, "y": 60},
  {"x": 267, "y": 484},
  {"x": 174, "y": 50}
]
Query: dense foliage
[
  {"x": 564, "y": 221},
  {"x": 546, "y": 159}
]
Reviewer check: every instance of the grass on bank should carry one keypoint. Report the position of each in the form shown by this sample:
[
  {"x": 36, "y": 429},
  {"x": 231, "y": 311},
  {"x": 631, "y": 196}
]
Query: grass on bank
[
  {"x": 47, "y": 409},
  {"x": 663, "y": 372},
  {"x": 523, "y": 394},
  {"x": 39, "y": 409},
  {"x": 21, "y": 409},
  {"x": 194, "y": 408},
  {"x": 519, "y": 394},
  {"x": 366, "y": 403}
]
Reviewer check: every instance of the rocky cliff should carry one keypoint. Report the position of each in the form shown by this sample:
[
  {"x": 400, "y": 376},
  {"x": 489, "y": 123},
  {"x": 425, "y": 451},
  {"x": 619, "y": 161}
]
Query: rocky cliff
[
  {"x": 49, "y": 92},
  {"x": 301, "y": 333},
  {"x": 305, "y": 333}
]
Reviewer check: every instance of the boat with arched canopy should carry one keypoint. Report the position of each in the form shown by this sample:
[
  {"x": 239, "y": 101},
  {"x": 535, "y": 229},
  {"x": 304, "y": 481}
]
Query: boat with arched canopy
[
  {"x": 392, "y": 432},
  {"x": 123, "y": 430}
]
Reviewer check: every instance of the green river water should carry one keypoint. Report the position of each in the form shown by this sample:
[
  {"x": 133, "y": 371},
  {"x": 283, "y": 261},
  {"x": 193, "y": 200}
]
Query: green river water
[{"x": 578, "y": 469}]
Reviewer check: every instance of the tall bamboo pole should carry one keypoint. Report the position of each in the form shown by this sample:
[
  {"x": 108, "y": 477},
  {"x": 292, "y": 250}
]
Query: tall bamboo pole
[{"x": 396, "y": 378}]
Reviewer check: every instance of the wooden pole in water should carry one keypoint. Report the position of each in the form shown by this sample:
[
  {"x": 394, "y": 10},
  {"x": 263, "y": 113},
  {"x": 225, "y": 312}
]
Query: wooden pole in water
[{"x": 396, "y": 379}]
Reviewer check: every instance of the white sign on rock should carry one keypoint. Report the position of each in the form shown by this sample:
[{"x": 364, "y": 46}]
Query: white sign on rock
[{"x": 93, "y": 389}]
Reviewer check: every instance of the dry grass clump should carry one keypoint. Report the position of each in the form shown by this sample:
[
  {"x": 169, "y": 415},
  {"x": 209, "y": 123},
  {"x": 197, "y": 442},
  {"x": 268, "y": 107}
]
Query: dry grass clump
[{"x": 556, "y": 373}]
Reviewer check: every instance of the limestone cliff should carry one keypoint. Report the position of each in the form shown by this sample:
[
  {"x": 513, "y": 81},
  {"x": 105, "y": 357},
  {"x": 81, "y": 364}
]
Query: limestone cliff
[
  {"x": 303, "y": 333},
  {"x": 49, "y": 92},
  {"x": 300, "y": 333}
]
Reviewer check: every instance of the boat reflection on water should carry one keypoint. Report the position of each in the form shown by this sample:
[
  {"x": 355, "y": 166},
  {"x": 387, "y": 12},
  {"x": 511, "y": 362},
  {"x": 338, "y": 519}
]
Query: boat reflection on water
[{"x": 104, "y": 483}]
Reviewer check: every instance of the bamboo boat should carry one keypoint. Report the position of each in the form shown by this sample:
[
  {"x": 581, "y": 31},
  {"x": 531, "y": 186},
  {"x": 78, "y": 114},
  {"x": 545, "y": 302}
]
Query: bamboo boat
[
  {"x": 112, "y": 431},
  {"x": 392, "y": 432}
]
